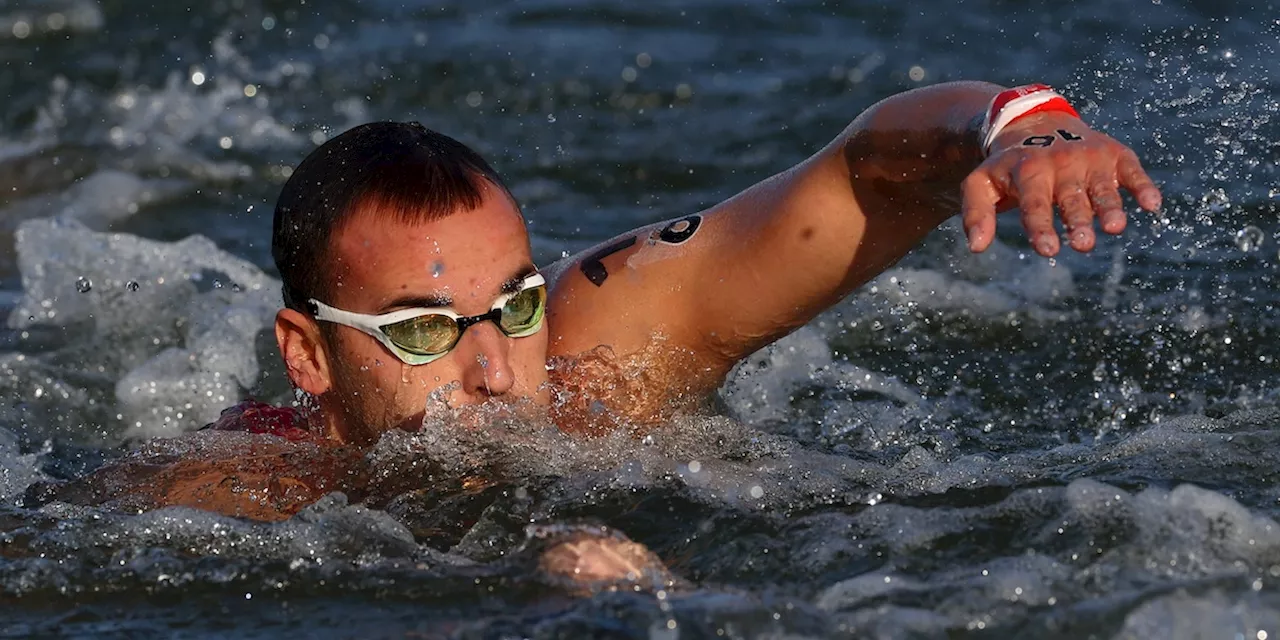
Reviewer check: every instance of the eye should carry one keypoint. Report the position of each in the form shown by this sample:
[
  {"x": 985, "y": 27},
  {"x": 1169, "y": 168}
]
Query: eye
[
  {"x": 425, "y": 335},
  {"x": 522, "y": 314}
]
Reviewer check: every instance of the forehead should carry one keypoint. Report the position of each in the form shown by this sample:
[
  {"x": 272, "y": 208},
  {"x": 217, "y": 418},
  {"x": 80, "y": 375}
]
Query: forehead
[{"x": 379, "y": 256}]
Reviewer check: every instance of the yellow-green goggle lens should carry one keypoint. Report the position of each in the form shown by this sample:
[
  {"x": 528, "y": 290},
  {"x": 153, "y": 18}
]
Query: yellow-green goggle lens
[
  {"x": 425, "y": 335},
  {"x": 522, "y": 315}
]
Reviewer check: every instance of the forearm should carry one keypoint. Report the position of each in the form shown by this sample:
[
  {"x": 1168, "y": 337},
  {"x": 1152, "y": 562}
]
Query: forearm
[
  {"x": 892, "y": 176},
  {"x": 925, "y": 138},
  {"x": 874, "y": 192}
]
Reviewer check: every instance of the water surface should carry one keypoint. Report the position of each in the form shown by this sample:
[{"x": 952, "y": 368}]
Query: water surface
[{"x": 990, "y": 446}]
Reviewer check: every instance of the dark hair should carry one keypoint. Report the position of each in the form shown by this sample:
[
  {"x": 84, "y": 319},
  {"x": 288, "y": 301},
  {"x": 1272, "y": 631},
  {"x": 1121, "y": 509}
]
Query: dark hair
[{"x": 400, "y": 169}]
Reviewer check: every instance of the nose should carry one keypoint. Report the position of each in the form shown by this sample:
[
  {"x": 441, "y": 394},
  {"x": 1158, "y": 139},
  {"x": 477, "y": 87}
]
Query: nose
[{"x": 486, "y": 362}]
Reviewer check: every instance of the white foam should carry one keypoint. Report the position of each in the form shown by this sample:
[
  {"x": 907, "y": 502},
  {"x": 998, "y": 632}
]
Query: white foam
[
  {"x": 331, "y": 538},
  {"x": 17, "y": 470},
  {"x": 99, "y": 200},
  {"x": 173, "y": 325},
  {"x": 760, "y": 389},
  {"x": 994, "y": 287},
  {"x": 1214, "y": 614}
]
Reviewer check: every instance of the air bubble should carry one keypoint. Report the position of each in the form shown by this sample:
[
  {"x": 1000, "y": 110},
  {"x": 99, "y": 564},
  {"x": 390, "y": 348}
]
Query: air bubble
[
  {"x": 132, "y": 285},
  {"x": 83, "y": 284},
  {"x": 1249, "y": 239}
]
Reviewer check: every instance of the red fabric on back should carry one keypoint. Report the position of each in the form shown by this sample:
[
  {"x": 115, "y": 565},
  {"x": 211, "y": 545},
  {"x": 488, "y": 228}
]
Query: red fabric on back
[{"x": 259, "y": 417}]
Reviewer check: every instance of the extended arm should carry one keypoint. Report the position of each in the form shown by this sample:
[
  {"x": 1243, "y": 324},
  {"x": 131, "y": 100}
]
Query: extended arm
[{"x": 771, "y": 258}]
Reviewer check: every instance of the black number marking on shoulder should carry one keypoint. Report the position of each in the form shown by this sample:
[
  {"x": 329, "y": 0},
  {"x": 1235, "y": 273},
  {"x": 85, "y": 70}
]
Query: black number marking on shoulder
[
  {"x": 680, "y": 230},
  {"x": 593, "y": 268},
  {"x": 1068, "y": 136}
]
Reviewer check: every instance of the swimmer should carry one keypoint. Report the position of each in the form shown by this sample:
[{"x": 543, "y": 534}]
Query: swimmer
[{"x": 407, "y": 272}]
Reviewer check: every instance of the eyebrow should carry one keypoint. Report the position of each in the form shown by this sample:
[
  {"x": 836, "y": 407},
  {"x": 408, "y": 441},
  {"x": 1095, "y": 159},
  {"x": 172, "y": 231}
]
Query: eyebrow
[
  {"x": 513, "y": 283},
  {"x": 432, "y": 300}
]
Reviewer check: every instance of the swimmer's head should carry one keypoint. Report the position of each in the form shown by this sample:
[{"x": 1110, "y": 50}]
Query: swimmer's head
[{"x": 388, "y": 217}]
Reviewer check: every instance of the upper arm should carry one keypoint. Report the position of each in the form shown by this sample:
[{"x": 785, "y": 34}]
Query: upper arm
[
  {"x": 721, "y": 283},
  {"x": 710, "y": 287},
  {"x": 255, "y": 477}
]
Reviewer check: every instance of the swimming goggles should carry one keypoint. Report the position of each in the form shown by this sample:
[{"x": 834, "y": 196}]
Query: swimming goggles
[{"x": 422, "y": 335}]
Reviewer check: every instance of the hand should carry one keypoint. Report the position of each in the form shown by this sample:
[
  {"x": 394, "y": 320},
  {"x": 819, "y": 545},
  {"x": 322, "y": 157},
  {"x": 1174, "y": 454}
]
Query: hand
[{"x": 1054, "y": 159}]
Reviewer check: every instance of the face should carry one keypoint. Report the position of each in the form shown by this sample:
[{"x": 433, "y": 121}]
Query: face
[{"x": 466, "y": 261}]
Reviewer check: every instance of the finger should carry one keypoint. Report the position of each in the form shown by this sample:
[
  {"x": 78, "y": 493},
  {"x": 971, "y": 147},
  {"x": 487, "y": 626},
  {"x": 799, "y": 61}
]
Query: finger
[
  {"x": 1077, "y": 215},
  {"x": 978, "y": 209},
  {"x": 1104, "y": 193},
  {"x": 1133, "y": 178},
  {"x": 1034, "y": 184}
]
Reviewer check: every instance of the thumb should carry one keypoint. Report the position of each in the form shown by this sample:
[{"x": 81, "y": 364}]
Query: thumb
[{"x": 981, "y": 197}]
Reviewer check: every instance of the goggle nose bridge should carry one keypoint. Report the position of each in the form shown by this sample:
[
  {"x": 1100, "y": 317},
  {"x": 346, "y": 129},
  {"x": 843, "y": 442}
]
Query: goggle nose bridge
[{"x": 466, "y": 321}]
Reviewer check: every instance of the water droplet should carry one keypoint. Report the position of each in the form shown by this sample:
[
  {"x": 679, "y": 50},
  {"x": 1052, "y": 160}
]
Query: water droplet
[
  {"x": 83, "y": 285},
  {"x": 437, "y": 268},
  {"x": 551, "y": 117},
  {"x": 1249, "y": 239},
  {"x": 132, "y": 285}
]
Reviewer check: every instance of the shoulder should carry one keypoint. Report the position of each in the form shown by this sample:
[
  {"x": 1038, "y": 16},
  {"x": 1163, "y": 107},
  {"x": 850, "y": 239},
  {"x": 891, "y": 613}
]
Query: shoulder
[
  {"x": 624, "y": 329},
  {"x": 621, "y": 292},
  {"x": 238, "y": 474}
]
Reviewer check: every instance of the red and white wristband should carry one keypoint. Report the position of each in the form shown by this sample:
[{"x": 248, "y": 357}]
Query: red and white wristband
[{"x": 1016, "y": 103}]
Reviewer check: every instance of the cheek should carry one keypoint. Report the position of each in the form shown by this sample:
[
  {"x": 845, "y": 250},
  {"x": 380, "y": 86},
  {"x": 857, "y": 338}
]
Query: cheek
[
  {"x": 529, "y": 356},
  {"x": 366, "y": 364}
]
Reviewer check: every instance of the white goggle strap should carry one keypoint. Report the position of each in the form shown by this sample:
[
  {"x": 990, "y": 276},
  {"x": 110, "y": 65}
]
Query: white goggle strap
[{"x": 372, "y": 324}]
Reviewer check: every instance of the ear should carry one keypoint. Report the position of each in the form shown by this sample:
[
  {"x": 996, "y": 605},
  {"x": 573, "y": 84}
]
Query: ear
[{"x": 298, "y": 337}]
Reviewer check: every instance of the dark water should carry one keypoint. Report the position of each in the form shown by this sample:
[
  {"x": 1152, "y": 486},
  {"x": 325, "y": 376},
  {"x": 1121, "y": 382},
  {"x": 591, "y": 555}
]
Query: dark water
[{"x": 995, "y": 446}]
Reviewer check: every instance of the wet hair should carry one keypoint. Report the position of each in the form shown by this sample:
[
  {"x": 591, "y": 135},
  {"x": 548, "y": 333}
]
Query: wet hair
[{"x": 402, "y": 170}]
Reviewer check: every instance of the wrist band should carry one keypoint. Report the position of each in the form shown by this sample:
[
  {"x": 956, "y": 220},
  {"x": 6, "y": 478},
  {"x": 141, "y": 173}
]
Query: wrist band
[{"x": 1011, "y": 104}]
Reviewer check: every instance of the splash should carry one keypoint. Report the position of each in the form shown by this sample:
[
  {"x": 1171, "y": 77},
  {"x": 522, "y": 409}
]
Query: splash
[{"x": 169, "y": 330}]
